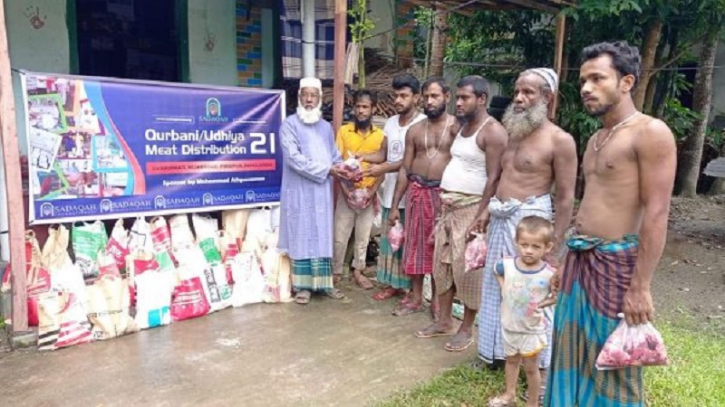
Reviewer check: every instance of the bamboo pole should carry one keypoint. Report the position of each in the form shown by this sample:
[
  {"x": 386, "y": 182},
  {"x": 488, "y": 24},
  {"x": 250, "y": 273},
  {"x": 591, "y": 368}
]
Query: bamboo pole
[
  {"x": 338, "y": 88},
  {"x": 558, "y": 58},
  {"x": 11, "y": 159}
]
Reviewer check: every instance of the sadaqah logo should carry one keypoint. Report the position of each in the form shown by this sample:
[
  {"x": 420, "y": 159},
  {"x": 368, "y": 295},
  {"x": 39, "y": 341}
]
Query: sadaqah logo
[
  {"x": 46, "y": 210},
  {"x": 226, "y": 199},
  {"x": 207, "y": 199},
  {"x": 213, "y": 112},
  {"x": 252, "y": 196},
  {"x": 106, "y": 206},
  {"x": 159, "y": 202}
]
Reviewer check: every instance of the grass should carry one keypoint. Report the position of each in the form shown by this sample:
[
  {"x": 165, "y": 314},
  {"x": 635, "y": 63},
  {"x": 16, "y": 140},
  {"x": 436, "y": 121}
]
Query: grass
[{"x": 695, "y": 377}]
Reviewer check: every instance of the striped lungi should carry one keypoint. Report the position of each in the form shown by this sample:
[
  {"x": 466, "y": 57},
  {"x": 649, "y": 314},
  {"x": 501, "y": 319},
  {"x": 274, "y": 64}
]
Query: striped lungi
[
  {"x": 595, "y": 278},
  {"x": 389, "y": 270},
  {"x": 312, "y": 274},
  {"x": 422, "y": 205},
  {"x": 504, "y": 217},
  {"x": 458, "y": 212}
]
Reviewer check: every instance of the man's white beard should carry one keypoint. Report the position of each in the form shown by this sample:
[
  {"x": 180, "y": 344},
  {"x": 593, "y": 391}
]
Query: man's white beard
[
  {"x": 310, "y": 116},
  {"x": 521, "y": 124}
]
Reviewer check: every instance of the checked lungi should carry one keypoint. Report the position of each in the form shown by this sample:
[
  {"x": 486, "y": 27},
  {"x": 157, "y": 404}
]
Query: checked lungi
[
  {"x": 595, "y": 278},
  {"x": 504, "y": 217},
  {"x": 312, "y": 274},
  {"x": 422, "y": 206},
  {"x": 390, "y": 271},
  {"x": 458, "y": 211}
]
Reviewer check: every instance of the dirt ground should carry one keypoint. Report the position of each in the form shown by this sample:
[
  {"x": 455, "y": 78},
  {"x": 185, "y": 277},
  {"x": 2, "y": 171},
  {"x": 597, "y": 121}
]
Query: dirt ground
[{"x": 690, "y": 279}]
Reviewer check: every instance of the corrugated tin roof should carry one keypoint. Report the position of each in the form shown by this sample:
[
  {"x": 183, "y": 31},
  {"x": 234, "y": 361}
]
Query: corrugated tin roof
[{"x": 716, "y": 168}]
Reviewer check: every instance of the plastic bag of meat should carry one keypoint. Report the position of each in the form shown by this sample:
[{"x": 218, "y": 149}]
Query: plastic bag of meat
[
  {"x": 637, "y": 345},
  {"x": 359, "y": 199},
  {"x": 396, "y": 236},
  {"x": 476, "y": 253}
]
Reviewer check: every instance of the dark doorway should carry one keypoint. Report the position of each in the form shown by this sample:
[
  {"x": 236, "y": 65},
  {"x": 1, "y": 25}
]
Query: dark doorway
[{"x": 135, "y": 39}]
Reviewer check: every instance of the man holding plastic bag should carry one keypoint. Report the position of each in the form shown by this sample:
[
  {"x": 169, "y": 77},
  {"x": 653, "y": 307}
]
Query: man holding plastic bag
[
  {"x": 310, "y": 160},
  {"x": 355, "y": 203},
  {"x": 620, "y": 232}
]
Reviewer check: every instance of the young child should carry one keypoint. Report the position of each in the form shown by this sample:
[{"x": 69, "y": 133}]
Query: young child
[{"x": 525, "y": 288}]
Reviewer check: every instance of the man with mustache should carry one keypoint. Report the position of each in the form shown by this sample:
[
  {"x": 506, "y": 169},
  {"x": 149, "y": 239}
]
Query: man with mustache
[
  {"x": 389, "y": 160},
  {"x": 619, "y": 233},
  {"x": 354, "y": 208},
  {"x": 539, "y": 155},
  {"x": 310, "y": 160},
  {"x": 427, "y": 153},
  {"x": 468, "y": 181}
]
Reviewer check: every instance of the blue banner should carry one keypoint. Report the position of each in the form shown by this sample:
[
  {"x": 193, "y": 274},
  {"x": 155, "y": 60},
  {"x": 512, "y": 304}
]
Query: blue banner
[{"x": 108, "y": 148}]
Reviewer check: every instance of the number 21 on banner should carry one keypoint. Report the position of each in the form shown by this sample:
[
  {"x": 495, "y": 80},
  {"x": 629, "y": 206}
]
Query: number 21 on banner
[{"x": 260, "y": 140}]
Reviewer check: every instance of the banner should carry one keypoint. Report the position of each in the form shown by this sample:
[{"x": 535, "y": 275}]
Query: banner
[{"x": 108, "y": 148}]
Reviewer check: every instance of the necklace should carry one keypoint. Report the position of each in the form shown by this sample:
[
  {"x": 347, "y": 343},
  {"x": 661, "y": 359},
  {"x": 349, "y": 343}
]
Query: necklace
[
  {"x": 597, "y": 148},
  {"x": 440, "y": 140}
]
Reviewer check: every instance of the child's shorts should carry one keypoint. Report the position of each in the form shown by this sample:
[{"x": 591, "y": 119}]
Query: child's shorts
[{"x": 526, "y": 345}]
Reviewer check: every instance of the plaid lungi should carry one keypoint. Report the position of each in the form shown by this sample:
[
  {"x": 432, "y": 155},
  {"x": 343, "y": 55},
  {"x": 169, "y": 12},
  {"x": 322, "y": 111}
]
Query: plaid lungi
[
  {"x": 457, "y": 215},
  {"x": 312, "y": 274},
  {"x": 389, "y": 270},
  {"x": 595, "y": 278},
  {"x": 422, "y": 205},
  {"x": 504, "y": 217}
]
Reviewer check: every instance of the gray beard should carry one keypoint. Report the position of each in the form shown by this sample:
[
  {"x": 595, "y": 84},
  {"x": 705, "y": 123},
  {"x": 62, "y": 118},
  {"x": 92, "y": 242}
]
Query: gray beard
[
  {"x": 309, "y": 116},
  {"x": 520, "y": 125}
]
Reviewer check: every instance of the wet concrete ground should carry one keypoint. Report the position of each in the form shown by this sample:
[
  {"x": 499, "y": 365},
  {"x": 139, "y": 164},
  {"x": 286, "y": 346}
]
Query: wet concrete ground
[{"x": 328, "y": 353}]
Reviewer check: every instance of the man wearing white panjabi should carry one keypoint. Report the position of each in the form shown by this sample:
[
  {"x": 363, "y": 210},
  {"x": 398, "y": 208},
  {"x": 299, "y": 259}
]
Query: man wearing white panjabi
[{"x": 306, "y": 222}]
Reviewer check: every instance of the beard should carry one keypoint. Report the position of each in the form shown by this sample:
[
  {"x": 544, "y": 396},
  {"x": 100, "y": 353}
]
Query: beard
[
  {"x": 363, "y": 124},
  {"x": 521, "y": 124},
  {"x": 435, "y": 112},
  {"x": 310, "y": 116}
]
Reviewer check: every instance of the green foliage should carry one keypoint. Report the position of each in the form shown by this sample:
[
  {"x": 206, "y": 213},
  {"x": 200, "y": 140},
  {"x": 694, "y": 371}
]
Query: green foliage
[
  {"x": 572, "y": 117},
  {"x": 360, "y": 29},
  {"x": 680, "y": 119}
]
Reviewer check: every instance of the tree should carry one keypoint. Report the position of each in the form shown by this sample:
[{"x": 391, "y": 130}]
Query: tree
[
  {"x": 689, "y": 165},
  {"x": 360, "y": 29}
]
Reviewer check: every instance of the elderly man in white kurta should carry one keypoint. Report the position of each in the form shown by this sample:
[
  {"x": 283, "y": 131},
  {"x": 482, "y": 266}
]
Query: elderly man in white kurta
[{"x": 309, "y": 158}]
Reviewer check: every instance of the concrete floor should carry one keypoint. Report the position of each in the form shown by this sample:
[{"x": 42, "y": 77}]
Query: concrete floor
[{"x": 329, "y": 353}]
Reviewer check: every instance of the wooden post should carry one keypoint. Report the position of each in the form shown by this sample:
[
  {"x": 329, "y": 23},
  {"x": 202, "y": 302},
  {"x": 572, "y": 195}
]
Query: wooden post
[
  {"x": 558, "y": 58},
  {"x": 338, "y": 88},
  {"x": 11, "y": 159},
  {"x": 440, "y": 40}
]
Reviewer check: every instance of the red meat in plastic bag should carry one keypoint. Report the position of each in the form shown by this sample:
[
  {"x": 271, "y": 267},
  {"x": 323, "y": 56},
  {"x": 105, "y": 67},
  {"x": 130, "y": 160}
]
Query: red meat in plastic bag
[
  {"x": 396, "y": 236},
  {"x": 476, "y": 253},
  {"x": 637, "y": 345},
  {"x": 359, "y": 199}
]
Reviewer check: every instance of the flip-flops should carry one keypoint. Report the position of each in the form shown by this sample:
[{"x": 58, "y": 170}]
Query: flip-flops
[
  {"x": 499, "y": 402},
  {"x": 407, "y": 308},
  {"x": 456, "y": 344},
  {"x": 432, "y": 331},
  {"x": 303, "y": 297},
  {"x": 335, "y": 294},
  {"x": 385, "y": 293}
]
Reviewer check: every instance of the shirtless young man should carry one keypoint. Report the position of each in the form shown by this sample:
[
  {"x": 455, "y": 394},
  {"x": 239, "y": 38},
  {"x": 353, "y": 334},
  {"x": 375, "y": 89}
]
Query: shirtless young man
[
  {"x": 539, "y": 154},
  {"x": 468, "y": 182},
  {"x": 427, "y": 152},
  {"x": 619, "y": 236}
]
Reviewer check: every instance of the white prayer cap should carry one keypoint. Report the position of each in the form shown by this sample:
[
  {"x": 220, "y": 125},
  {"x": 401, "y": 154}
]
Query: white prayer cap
[
  {"x": 311, "y": 82},
  {"x": 551, "y": 78}
]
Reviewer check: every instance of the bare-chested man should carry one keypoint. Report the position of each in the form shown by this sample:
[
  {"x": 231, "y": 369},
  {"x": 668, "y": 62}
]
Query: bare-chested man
[
  {"x": 427, "y": 152},
  {"x": 539, "y": 154},
  {"x": 468, "y": 182},
  {"x": 620, "y": 231}
]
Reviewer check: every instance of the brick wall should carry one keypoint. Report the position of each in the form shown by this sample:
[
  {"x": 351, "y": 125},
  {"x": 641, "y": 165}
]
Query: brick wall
[
  {"x": 404, "y": 35},
  {"x": 249, "y": 44}
]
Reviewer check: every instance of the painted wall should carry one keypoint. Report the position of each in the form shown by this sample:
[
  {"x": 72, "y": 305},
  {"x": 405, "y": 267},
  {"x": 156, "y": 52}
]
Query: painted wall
[
  {"x": 38, "y": 41},
  {"x": 249, "y": 44},
  {"x": 212, "y": 42},
  {"x": 393, "y": 15}
]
